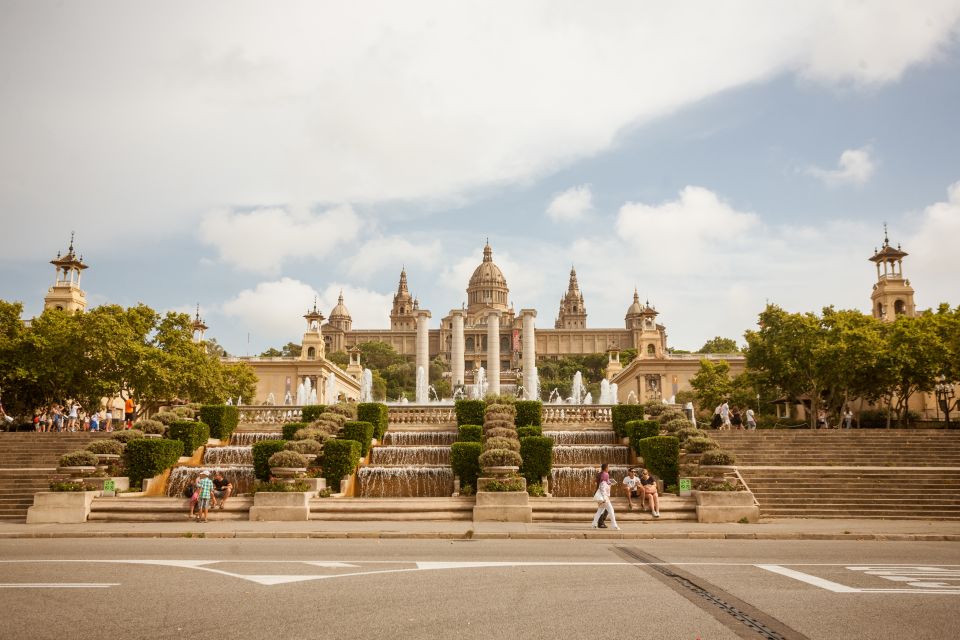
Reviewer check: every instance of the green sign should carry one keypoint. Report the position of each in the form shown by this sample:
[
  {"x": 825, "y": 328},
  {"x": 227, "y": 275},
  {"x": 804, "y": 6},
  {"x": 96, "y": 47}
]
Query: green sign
[
  {"x": 685, "y": 484},
  {"x": 108, "y": 485}
]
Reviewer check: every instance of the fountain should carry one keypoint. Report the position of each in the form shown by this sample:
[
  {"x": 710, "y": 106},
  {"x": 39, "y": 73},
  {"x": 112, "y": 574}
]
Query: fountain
[
  {"x": 241, "y": 476},
  {"x": 303, "y": 392},
  {"x": 555, "y": 397},
  {"x": 229, "y": 402},
  {"x": 419, "y": 438},
  {"x": 588, "y": 399},
  {"x": 405, "y": 482},
  {"x": 561, "y": 438},
  {"x": 271, "y": 399},
  {"x": 589, "y": 454},
  {"x": 405, "y": 456},
  {"x": 580, "y": 482},
  {"x": 230, "y": 455},
  {"x": 312, "y": 399},
  {"x": 247, "y": 438},
  {"x": 605, "y": 392},
  {"x": 366, "y": 386},
  {"x": 614, "y": 390},
  {"x": 632, "y": 397},
  {"x": 422, "y": 395},
  {"x": 331, "y": 393},
  {"x": 480, "y": 385},
  {"x": 577, "y": 390}
]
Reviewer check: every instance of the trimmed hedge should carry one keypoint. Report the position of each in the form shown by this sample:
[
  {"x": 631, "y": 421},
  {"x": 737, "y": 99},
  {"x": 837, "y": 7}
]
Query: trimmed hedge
[
  {"x": 500, "y": 458},
  {"x": 292, "y": 427},
  {"x": 340, "y": 458},
  {"x": 469, "y": 411},
  {"x": 624, "y": 413},
  {"x": 222, "y": 418},
  {"x": 537, "y": 454},
  {"x": 311, "y": 412},
  {"x": 126, "y": 435},
  {"x": 261, "y": 455},
  {"x": 146, "y": 457},
  {"x": 358, "y": 431},
  {"x": 661, "y": 455},
  {"x": 699, "y": 445},
  {"x": 287, "y": 458},
  {"x": 531, "y": 430},
  {"x": 465, "y": 460},
  {"x": 470, "y": 433},
  {"x": 529, "y": 412},
  {"x": 79, "y": 458},
  {"x": 106, "y": 446},
  {"x": 640, "y": 429},
  {"x": 191, "y": 434},
  {"x": 716, "y": 456},
  {"x": 376, "y": 414}
]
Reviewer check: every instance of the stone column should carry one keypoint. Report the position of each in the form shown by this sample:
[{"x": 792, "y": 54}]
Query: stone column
[
  {"x": 423, "y": 342},
  {"x": 493, "y": 352},
  {"x": 529, "y": 346},
  {"x": 457, "y": 349}
]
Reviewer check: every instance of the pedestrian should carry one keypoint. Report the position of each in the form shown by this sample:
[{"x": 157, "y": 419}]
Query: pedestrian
[
  {"x": 95, "y": 421},
  {"x": 603, "y": 516},
  {"x": 205, "y": 491},
  {"x": 129, "y": 409},
  {"x": 717, "y": 421},
  {"x": 736, "y": 420},
  {"x": 222, "y": 488},
  {"x": 72, "y": 416},
  {"x": 7, "y": 420},
  {"x": 631, "y": 485},
  {"x": 847, "y": 418},
  {"x": 821, "y": 419},
  {"x": 109, "y": 418},
  {"x": 191, "y": 493},
  {"x": 57, "y": 418},
  {"x": 649, "y": 486},
  {"x": 751, "y": 420},
  {"x": 725, "y": 415},
  {"x": 602, "y": 497}
]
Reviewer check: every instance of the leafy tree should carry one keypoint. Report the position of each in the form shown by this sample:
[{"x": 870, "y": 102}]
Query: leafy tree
[
  {"x": 719, "y": 345},
  {"x": 289, "y": 350},
  {"x": 712, "y": 383},
  {"x": 271, "y": 353},
  {"x": 339, "y": 358},
  {"x": 914, "y": 357}
]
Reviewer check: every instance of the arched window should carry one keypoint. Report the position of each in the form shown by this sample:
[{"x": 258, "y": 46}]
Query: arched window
[
  {"x": 311, "y": 353},
  {"x": 651, "y": 350},
  {"x": 880, "y": 309},
  {"x": 899, "y": 307}
]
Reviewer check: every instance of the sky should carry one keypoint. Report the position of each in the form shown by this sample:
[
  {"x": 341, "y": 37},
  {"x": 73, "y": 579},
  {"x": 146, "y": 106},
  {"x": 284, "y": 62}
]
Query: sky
[{"x": 249, "y": 157}]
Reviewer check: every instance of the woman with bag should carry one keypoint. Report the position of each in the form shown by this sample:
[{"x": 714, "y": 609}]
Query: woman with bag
[{"x": 602, "y": 497}]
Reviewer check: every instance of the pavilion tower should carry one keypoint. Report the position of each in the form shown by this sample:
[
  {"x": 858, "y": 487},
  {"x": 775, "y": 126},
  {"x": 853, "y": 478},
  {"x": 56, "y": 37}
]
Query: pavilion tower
[
  {"x": 401, "y": 315},
  {"x": 313, "y": 345},
  {"x": 573, "y": 313},
  {"x": 892, "y": 295},
  {"x": 66, "y": 294},
  {"x": 198, "y": 326}
]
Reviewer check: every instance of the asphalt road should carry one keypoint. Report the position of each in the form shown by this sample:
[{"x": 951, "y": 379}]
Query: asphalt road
[{"x": 263, "y": 588}]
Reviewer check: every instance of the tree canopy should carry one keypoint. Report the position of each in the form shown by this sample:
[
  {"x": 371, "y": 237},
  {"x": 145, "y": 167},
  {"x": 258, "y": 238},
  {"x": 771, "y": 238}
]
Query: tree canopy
[{"x": 719, "y": 345}]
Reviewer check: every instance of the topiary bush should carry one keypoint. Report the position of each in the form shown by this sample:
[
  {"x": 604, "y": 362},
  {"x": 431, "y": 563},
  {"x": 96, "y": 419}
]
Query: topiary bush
[
  {"x": 498, "y": 422},
  {"x": 622, "y": 414},
  {"x": 127, "y": 435},
  {"x": 501, "y": 433},
  {"x": 675, "y": 424},
  {"x": 361, "y": 432},
  {"x": 287, "y": 458},
  {"x": 109, "y": 447},
  {"x": 470, "y": 433},
  {"x": 339, "y": 459},
  {"x": 716, "y": 456},
  {"x": 526, "y": 432},
  {"x": 191, "y": 434},
  {"x": 698, "y": 445},
  {"x": 500, "y": 458},
  {"x": 291, "y": 428},
  {"x": 465, "y": 460},
  {"x": 185, "y": 412},
  {"x": 150, "y": 426},
  {"x": 345, "y": 409},
  {"x": 376, "y": 414},
  {"x": 311, "y": 412},
  {"x": 529, "y": 412},
  {"x": 147, "y": 457},
  {"x": 222, "y": 419},
  {"x": 654, "y": 409},
  {"x": 307, "y": 447},
  {"x": 661, "y": 455},
  {"x": 640, "y": 429},
  {"x": 690, "y": 432},
  {"x": 501, "y": 443},
  {"x": 81, "y": 458},
  {"x": 309, "y": 433},
  {"x": 166, "y": 417},
  {"x": 261, "y": 456},
  {"x": 537, "y": 455},
  {"x": 469, "y": 411}
]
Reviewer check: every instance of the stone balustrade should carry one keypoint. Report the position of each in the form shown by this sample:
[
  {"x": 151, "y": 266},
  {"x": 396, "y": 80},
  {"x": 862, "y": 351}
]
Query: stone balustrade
[
  {"x": 270, "y": 414},
  {"x": 582, "y": 415},
  {"x": 421, "y": 415}
]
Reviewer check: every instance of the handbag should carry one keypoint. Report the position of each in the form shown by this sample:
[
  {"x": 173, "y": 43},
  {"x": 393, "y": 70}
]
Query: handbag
[{"x": 599, "y": 497}]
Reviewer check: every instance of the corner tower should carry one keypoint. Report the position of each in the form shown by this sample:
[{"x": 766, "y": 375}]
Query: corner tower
[
  {"x": 66, "y": 294},
  {"x": 401, "y": 315},
  {"x": 573, "y": 313},
  {"x": 892, "y": 294}
]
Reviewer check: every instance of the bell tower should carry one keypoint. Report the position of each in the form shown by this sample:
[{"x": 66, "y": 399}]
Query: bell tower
[
  {"x": 892, "y": 295},
  {"x": 312, "y": 345},
  {"x": 573, "y": 313},
  {"x": 66, "y": 294},
  {"x": 401, "y": 315}
]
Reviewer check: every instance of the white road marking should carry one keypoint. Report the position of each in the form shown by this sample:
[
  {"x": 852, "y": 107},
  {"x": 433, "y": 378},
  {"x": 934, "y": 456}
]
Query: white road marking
[
  {"x": 836, "y": 587},
  {"x": 922, "y": 587},
  {"x": 58, "y": 585}
]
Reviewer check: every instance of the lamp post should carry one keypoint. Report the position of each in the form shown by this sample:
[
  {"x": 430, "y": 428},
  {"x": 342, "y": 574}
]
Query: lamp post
[{"x": 945, "y": 394}]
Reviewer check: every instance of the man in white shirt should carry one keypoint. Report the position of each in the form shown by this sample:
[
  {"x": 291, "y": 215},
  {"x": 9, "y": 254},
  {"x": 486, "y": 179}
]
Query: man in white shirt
[
  {"x": 725, "y": 414},
  {"x": 751, "y": 420},
  {"x": 631, "y": 485}
]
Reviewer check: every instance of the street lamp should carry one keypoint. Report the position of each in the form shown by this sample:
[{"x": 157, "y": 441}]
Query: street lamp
[{"x": 945, "y": 394}]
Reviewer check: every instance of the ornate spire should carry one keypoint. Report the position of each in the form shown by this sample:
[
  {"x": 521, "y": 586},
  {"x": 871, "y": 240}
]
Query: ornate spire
[
  {"x": 402, "y": 288},
  {"x": 487, "y": 252}
]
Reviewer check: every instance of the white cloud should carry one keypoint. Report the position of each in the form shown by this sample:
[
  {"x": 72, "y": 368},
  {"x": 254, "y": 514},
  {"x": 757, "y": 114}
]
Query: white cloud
[
  {"x": 572, "y": 204},
  {"x": 856, "y": 167},
  {"x": 368, "y": 309},
  {"x": 933, "y": 248},
  {"x": 390, "y": 253},
  {"x": 272, "y": 309},
  {"x": 367, "y": 102},
  {"x": 263, "y": 239}
]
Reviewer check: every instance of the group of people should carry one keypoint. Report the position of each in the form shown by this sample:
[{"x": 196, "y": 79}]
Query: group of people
[
  {"x": 205, "y": 494},
  {"x": 846, "y": 419},
  {"x": 725, "y": 418},
  {"x": 59, "y": 418},
  {"x": 642, "y": 487}
]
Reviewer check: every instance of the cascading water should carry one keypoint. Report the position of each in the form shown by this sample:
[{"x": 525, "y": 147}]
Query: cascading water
[
  {"x": 247, "y": 438},
  {"x": 480, "y": 385},
  {"x": 241, "y": 477},
  {"x": 409, "y": 456},
  {"x": 366, "y": 386},
  {"x": 421, "y": 395},
  {"x": 577, "y": 390},
  {"x": 331, "y": 392},
  {"x": 228, "y": 455},
  {"x": 409, "y": 464},
  {"x": 589, "y": 454},
  {"x": 419, "y": 438},
  {"x": 580, "y": 482},
  {"x": 614, "y": 390},
  {"x": 581, "y": 437},
  {"x": 555, "y": 397}
]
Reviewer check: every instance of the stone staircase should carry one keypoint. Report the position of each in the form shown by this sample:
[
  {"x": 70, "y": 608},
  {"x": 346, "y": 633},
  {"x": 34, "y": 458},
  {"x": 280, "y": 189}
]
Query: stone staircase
[
  {"x": 156, "y": 509},
  {"x": 583, "y": 509},
  {"x": 28, "y": 462},
  {"x": 890, "y": 474},
  {"x": 391, "y": 509}
]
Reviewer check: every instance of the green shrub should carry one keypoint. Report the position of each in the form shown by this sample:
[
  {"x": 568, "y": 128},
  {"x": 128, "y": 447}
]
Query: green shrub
[
  {"x": 311, "y": 447},
  {"x": 690, "y": 432},
  {"x": 113, "y": 447},
  {"x": 467, "y": 490},
  {"x": 376, "y": 414},
  {"x": 191, "y": 434},
  {"x": 346, "y": 409},
  {"x": 469, "y": 411},
  {"x": 185, "y": 412},
  {"x": 501, "y": 433},
  {"x": 501, "y": 409},
  {"x": 698, "y": 445},
  {"x": 624, "y": 413},
  {"x": 661, "y": 455},
  {"x": 537, "y": 455},
  {"x": 81, "y": 458},
  {"x": 654, "y": 409},
  {"x": 470, "y": 433},
  {"x": 311, "y": 412},
  {"x": 150, "y": 426},
  {"x": 708, "y": 484},
  {"x": 465, "y": 460},
  {"x": 286, "y": 458},
  {"x": 223, "y": 419},
  {"x": 361, "y": 432},
  {"x": 640, "y": 429},
  {"x": 147, "y": 457},
  {"x": 529, "y": 412},
  {"x": 501, "y": 443},
  {"x": 279, "y": 486},
  {"x": 291, "y": 428},
  {"x": 127, "y": 435},
  {"x": 498, "y": 422},
  {"x": 66, "y": 485},
  {"x": 261, "y": 455},
  {"x": 340, "y": 458},
  {"x": 508, "y": 484},
  {"x": 532, "y": 430},
  {"x": 500, "y": 458},
  {"x": 536, "y": 490},
  {"x": 675, "y": 424},
  {"x": 716, "y": 456},
  {"x": 166, "y": 417},
  {"x": 309, "y": 433},
  {"x": 333, "y": 418}
]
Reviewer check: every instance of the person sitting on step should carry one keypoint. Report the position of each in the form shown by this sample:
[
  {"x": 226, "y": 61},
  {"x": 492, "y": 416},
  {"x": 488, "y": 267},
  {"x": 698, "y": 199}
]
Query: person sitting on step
[{"x": 648, "y": 484}]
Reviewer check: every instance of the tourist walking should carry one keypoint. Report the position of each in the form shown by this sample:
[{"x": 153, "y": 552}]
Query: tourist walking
[
  {"x": 649, "y": 486},
  {"x": 95, "y": 421},
  {"x": 717, "y": 421},
  {"x": 205, "y": 494},
  {"x": 602, "y": 496},
  {"x": 7, "y": 420},
  {"x": 191, "y": 493},
  {"x": 129, "y": 409},
  {"x": 57, "y": 418},
  {"x": 751, "y": 420},
  {"x": 108, "y": 416},
  {"x": 598, "y": 479},
  {"x": 736, "y": 420},
  {"x": 847, "y": 419},
  {"x": 72, "y": 417},
  {"x": 725, "y": 415}
]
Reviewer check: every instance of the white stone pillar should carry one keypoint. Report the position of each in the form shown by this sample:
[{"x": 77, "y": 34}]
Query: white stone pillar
[
  {"x": 529, "y": 347},
  {"x": 493, "y": 352},
  {"x": 423, "y": 342},
  {"x": 457, "y": 349}
]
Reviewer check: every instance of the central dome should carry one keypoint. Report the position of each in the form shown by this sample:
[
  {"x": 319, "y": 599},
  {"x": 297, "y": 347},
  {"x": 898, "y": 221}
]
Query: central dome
[{"x": 487, "y": 287}]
